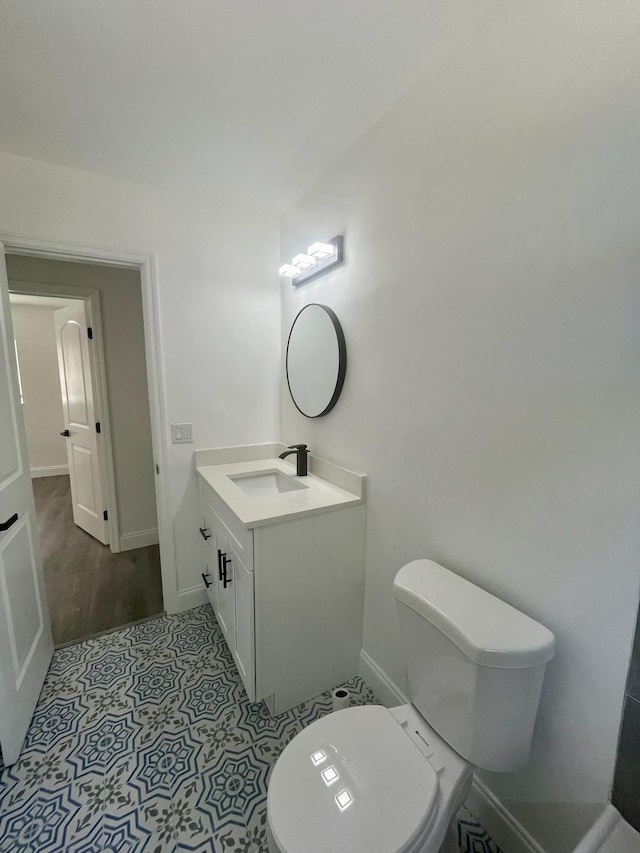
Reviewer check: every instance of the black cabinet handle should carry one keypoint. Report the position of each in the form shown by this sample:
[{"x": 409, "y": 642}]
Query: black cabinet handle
[
  {"x": 65, "y": 433},
  {"x": 206, "y": 582},
  {"x": 226, "y": 580},
  {"x": 9, "y": 522},
  {"x": 205, "y": 533},
  {"x": 221, "y": 556}
]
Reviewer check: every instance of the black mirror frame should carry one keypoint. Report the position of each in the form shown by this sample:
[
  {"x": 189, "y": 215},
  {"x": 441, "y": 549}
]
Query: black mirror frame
[{"x": 342, "y": 360}]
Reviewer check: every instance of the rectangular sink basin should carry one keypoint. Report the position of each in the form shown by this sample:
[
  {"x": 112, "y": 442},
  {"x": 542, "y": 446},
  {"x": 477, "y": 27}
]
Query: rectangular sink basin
[{"x": 271, "y": 482}]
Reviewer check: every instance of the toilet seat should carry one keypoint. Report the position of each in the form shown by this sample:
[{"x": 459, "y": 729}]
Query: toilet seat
[{"x": 353, "y": 781}]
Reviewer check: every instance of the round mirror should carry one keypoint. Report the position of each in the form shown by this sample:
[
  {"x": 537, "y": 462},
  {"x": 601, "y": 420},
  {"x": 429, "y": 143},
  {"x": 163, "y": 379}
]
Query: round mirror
[{"x": 316, "y": 360}]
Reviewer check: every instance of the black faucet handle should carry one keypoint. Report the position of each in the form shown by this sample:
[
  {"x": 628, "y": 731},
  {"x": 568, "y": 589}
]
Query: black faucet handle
[{"x": 302, "y": 453}]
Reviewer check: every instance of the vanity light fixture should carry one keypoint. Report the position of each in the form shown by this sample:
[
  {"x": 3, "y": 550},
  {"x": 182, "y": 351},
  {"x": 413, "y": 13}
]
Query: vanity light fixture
[{"x": 319, "y": 258}]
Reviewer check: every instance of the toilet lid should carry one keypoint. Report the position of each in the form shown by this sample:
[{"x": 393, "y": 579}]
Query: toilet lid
[{"x": 353, "y": 781}]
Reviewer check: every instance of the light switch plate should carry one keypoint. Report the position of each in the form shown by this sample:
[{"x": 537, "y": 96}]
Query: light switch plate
[{"x": 182, "y": 433}]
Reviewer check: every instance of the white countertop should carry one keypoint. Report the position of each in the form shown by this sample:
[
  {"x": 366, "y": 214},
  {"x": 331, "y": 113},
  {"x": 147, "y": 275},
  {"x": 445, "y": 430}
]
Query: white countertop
[{"x": 258, "y": 510}]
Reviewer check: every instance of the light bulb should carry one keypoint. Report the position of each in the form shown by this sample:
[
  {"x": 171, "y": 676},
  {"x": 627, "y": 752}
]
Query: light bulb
[
  {"x": 321, "y": 250},
  {"x": 289, "y": 270},
  {"x": 303, "y": 261}
]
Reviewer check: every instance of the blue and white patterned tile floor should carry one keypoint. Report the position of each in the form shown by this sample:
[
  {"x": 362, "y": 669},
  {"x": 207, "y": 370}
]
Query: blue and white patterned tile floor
[{"x": 144, "y": 741}]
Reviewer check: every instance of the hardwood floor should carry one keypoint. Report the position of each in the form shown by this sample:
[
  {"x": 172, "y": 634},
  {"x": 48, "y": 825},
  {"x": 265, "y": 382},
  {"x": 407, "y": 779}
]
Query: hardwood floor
[{"x": 89, "y": 588}]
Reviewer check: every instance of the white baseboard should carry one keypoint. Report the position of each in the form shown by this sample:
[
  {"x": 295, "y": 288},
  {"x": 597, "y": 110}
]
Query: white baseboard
[
  {"x": 505, "y": 830},
  {"x": 139, "y": 539},
  {"x": 49, "y": 471},
  {"x": 384, "y": 689},
  {"x": 188, "y": 598},
  {"x": 502, "y": 826}
]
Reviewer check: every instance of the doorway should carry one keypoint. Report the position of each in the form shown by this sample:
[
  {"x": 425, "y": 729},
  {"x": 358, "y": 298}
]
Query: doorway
[{"x": 79, "y": 338}]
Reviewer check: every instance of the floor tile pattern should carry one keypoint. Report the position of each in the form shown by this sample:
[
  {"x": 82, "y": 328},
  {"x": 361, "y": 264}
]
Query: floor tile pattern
[
  {"x": 472, "y": 838},
  {"x": 144, "y": 741}
]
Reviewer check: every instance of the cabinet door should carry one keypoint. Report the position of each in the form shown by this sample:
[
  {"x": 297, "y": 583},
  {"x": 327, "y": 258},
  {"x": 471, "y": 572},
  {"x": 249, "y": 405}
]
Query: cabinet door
[
  {"x": 226, "y": 607},
  {"x": 244, "y": 638}
]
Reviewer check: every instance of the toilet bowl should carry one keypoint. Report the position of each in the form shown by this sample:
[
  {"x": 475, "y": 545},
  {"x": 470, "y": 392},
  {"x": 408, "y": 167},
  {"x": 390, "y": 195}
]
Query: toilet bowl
[
  {"x": 375, "y": 780},
  {"x": 365, "y": 779}
]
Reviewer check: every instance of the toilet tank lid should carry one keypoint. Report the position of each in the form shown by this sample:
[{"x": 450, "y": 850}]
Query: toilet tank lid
[{"x": 488, "y": 630}]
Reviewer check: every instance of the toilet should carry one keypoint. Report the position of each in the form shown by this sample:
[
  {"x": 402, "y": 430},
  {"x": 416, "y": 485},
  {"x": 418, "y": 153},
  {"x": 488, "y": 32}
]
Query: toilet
[{"x": 370, "y": 779}]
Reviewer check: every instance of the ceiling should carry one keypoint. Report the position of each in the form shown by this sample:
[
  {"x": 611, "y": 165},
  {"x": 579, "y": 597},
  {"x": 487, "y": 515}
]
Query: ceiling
[{"x": 251, "y": 99}]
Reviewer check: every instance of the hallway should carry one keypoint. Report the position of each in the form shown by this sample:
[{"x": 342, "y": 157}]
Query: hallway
[{"x": 90, "y": 589}]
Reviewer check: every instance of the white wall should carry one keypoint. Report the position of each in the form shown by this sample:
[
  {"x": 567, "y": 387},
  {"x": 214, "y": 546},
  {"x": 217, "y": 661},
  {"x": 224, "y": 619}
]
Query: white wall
[
  {"x": 43, "y": 417},
  {"x": 123, "y": 330},
  {"x": 490, "y": 301},
  {"x": 218, "y": 301}
]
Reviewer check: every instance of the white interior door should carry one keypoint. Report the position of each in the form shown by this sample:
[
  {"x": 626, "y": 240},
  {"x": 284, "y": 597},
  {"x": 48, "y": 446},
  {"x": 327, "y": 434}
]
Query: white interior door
[
  {"x": 26, "y": 645},
  {"x": 78, "y": 405}
]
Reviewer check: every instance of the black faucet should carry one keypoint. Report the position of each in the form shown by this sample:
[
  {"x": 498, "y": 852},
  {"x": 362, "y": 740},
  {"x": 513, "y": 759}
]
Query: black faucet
[{"x": 301, "y": 458}]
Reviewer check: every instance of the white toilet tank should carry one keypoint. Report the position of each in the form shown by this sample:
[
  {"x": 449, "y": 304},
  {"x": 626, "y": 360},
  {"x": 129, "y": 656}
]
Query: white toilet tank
[{"x": 474, "y": 664}]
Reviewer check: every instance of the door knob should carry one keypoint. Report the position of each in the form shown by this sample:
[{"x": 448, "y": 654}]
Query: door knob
[
  {"x": 7, "y": 524},
  {"x": 65, "y": 433}
]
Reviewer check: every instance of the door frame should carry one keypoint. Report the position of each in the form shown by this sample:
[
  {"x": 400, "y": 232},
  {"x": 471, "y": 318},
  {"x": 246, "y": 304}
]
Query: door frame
[
  {"x": 19, "y": 244},
  {"x": 91, "y": 299}
]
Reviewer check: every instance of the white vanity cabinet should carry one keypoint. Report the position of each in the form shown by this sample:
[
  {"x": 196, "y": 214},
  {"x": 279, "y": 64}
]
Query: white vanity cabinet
[
  {"x": 229, "y": 585},
  {"x": 288, "y": 596}
]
